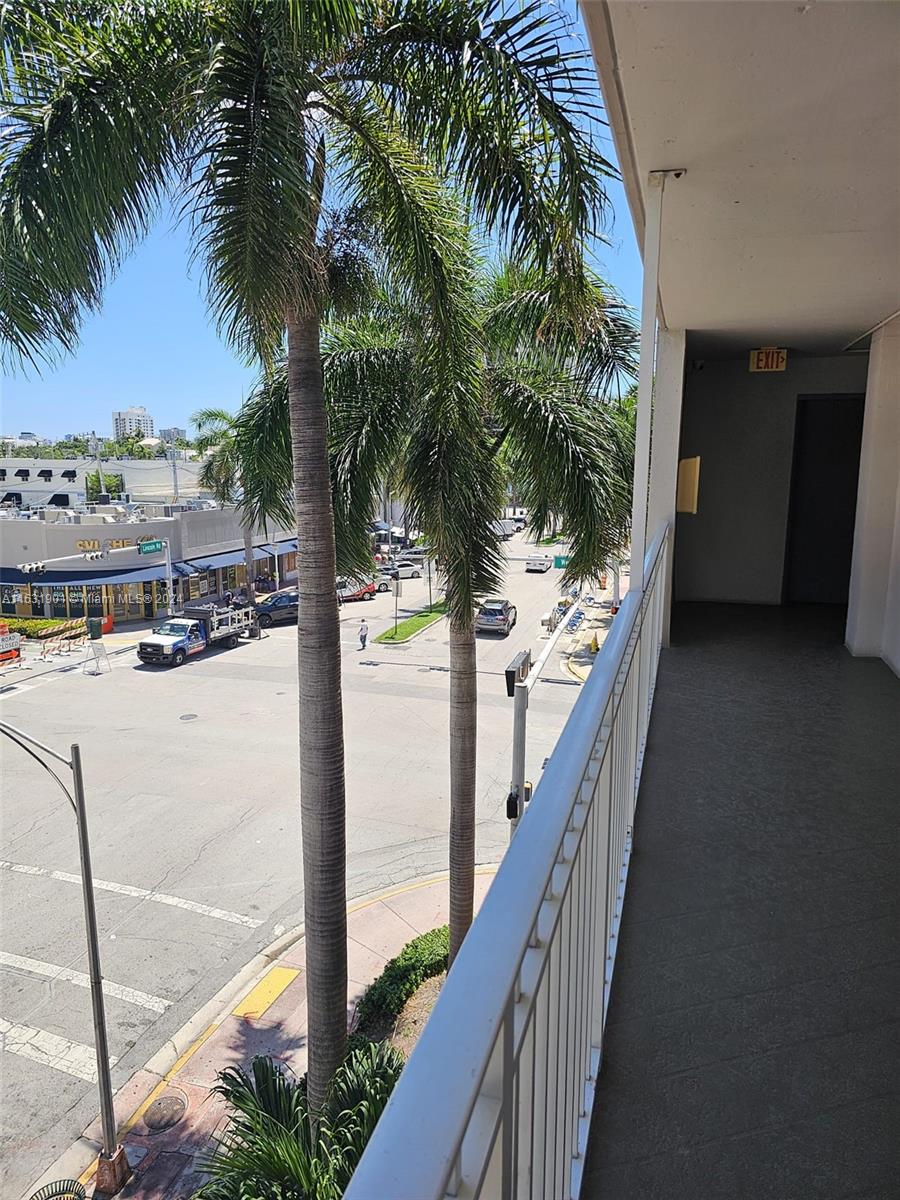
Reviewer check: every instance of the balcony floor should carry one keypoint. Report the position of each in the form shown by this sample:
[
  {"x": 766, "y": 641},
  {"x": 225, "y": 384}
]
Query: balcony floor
[{"x": 752, "y": 1041}]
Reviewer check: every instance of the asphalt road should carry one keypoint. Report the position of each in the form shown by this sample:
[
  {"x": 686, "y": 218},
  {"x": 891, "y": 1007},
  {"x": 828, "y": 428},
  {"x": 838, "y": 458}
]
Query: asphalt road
[{"x": 191, "y": 778}]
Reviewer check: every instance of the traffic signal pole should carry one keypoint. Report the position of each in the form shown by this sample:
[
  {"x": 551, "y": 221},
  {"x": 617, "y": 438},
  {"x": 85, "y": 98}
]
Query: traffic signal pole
[{"x": 38, "y": 568}]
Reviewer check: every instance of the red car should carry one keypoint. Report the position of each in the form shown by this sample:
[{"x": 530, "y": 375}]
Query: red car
[{"x": 355, "y": 589}]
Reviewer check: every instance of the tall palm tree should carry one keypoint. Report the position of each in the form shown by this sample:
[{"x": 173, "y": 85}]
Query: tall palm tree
[
  {"x": 543, "y": 367},
  {"x": 221, "y": 472},
  {"x": 298, "y": 138}
]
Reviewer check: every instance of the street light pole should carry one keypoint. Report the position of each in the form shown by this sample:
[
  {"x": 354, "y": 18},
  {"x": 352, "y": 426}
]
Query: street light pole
[
  {"x": 113, "y": 1169},
  {"x": 170, "y": 582},
  {"x": 107, "y": 1113}
]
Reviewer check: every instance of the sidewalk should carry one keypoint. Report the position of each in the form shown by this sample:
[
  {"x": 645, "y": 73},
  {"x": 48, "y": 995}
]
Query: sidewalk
[
  {"x": 598, "y": 620},
  {"x": 262, "y": 1012}
]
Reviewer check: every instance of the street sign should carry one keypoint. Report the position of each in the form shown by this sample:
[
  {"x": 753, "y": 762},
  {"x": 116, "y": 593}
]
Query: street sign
[
  {"x": 150, "y": 547},
  {"x": 397, "y": 587},
  {"x": 560, "y": 561}
]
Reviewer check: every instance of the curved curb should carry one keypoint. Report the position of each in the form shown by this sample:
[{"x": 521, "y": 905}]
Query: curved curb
[
  {"x": 412, "y": 637},
  {"x": 79, "y": 1161}
]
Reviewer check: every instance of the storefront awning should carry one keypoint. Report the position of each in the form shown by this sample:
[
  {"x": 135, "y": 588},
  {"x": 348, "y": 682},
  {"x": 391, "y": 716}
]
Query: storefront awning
[
  {"x": 11, "y": 575},
  {"x": 231, "y": 558}
]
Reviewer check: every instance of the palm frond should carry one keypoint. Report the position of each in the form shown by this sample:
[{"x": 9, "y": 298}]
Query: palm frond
[
  {"x": 567, "y": 453},
  {"x": 94, "y": 124},
  {"x": 505, "y": 103},
  {"x": 253, "y": 197}
]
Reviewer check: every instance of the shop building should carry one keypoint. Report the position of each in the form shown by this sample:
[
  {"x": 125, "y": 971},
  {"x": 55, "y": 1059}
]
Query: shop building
[{"x": 207, "y": 550}]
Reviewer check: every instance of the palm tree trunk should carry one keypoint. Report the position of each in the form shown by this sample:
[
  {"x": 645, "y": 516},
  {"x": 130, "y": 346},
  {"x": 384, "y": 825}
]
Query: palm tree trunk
[
  {"x": 322, "y": 803},
  {"x": 463, "y": 732},
  {"x": 248, "y": 558}
]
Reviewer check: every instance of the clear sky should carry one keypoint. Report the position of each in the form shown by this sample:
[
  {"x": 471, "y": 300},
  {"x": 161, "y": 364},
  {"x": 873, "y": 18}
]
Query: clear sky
[{"x": 153, "y": 344}]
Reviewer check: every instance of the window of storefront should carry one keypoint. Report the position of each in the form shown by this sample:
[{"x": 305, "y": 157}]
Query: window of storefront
[
  {"x": 37, "y": 601},
  {"x": 58, "y": 606},
  {"x": 128, "y": 601},
  {"x": 76, "y": 601},
  {"x": 7, "y": 599},
  {"x": 94, "y": 596}
]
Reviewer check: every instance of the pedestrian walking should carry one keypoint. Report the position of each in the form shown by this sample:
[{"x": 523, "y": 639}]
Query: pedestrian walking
[{"x": 363, "y": 634}]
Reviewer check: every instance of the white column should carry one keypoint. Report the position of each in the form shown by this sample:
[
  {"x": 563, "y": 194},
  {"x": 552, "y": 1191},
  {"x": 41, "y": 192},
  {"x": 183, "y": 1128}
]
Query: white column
[
  {"x": 875, "y": 573},
  {"x": 649, "y": 295},
  {"x": 664, "y": 451}
]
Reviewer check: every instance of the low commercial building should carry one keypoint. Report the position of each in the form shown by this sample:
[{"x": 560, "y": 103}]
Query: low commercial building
[
  {"x": 32, "y": 482},
  {"x": 207, "y": 549}
]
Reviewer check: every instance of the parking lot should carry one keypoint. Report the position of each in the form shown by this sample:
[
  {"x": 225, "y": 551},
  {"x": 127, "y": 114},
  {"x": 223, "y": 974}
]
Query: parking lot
[{"x": 191, "y": 779}]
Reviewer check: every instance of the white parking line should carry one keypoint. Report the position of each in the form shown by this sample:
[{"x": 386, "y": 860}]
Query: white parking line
[
  {"x": 35, "y": 967},
  {"x": 124, "y": 889},
  {"x": 51, "y": 1050}
]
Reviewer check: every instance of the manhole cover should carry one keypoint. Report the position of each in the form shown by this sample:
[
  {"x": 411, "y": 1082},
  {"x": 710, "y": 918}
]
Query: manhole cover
[
  {"x": 164, "y": 1112},
  {"x": 188, "y": 717}
]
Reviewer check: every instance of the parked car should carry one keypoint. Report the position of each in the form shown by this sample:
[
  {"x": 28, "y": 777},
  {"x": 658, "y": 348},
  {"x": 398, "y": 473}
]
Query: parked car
[
  {"x": 519, "y": 522},
  {"x": 278, "y": 606},
  {"x": 495, "y": 616},
  {"x": 539, "y": 562},
  {"x": 356, "y": 589},
  {"x": 404, "y": 568}
]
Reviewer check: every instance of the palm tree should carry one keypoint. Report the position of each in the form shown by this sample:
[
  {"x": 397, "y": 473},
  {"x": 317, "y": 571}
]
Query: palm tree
[
  {"x": 221, "y": 472},
  {"x": 544, "y": 363},
  {"x": 302, "y": 140}
]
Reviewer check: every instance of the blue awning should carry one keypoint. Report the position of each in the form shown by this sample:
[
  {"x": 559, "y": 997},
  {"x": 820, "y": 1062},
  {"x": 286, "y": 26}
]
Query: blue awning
[
  {"x": 11, "y": 575},
  {"x": 214, "y": 562},
  {"x": 231, "y": 558}
]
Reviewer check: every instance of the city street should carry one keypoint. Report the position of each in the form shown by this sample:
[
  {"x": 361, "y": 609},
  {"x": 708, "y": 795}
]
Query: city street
[{"x": 191, "y": 778}]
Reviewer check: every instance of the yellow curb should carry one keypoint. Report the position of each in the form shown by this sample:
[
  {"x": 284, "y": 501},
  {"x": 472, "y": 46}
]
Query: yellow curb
[
  {"x": 266, "y": 987},
  {"x": 266, "y": 992}
]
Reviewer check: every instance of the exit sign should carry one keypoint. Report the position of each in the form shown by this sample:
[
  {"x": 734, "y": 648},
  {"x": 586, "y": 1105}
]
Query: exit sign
[
  {"x": 150, "y": 547},
  {"x": 768, "y": 358}
]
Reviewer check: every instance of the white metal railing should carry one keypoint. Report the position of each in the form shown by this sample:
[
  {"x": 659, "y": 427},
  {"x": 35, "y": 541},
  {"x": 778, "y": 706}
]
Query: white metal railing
[{"x": 496, "y": 1099}]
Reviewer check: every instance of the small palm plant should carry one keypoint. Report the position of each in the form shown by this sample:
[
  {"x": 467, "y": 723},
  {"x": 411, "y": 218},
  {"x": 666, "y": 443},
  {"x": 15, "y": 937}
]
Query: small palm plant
[{"x": 274, "y": 1150}]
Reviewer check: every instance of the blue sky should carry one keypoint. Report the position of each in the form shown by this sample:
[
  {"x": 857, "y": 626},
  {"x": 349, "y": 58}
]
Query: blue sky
[{"x": 153, "y": 343}]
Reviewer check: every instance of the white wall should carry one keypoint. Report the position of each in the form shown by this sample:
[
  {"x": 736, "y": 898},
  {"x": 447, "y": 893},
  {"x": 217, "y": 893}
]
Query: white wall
[
  {"x": 873, "y": 619},
  {"x": 741, "y": 424}
]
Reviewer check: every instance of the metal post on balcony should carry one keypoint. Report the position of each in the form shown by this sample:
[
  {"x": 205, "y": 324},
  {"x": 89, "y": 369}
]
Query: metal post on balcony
[{"x": 649, "y": 299}]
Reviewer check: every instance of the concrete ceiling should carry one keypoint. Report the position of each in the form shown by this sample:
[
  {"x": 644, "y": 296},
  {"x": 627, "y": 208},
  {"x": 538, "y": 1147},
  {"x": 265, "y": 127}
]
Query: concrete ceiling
[{"x": 785, "y": 229}]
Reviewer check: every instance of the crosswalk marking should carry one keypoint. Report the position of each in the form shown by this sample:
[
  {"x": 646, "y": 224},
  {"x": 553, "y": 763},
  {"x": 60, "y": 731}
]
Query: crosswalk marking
[
  {"x": 125, "y": 889},
  {"x": 50, "y": 1050},
  {"x": 34, "y": 966}
]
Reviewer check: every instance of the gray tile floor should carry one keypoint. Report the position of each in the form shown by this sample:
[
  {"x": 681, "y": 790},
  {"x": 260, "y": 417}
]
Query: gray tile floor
[{"x": 752, "y": 1042}]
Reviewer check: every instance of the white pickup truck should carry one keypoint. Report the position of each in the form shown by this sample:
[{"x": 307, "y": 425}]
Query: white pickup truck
[{"x": 193, "y": 631}]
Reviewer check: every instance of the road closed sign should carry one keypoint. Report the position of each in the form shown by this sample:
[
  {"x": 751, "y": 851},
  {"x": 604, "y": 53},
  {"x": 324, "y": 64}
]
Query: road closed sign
[
  {"x": 768, "y": 358},
  {"x": 10, "y": 644}
]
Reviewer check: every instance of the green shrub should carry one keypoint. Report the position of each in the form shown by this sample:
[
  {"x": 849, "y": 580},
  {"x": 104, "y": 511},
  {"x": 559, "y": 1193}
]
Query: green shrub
[
  {"x": 420, "y": 959},
  {"x": 270, "y": 1149},
  {"x": 41, "y": 627}
]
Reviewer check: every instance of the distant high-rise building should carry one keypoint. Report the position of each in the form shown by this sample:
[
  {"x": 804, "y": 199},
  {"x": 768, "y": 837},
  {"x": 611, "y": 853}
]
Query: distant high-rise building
[
  {"x": 173, "y": 434},
  {"x": 134, "y": 420}
]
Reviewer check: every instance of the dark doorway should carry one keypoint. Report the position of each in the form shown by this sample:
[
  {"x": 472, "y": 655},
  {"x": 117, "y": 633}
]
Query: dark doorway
[{"x": 819, "y": 545}]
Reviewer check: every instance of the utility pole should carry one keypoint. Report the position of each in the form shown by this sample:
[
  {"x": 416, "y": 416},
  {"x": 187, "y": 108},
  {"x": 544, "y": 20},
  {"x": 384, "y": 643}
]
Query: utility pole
[
  {"x": 173, "y": 458},
  {"x": 95, "y": 450}
]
